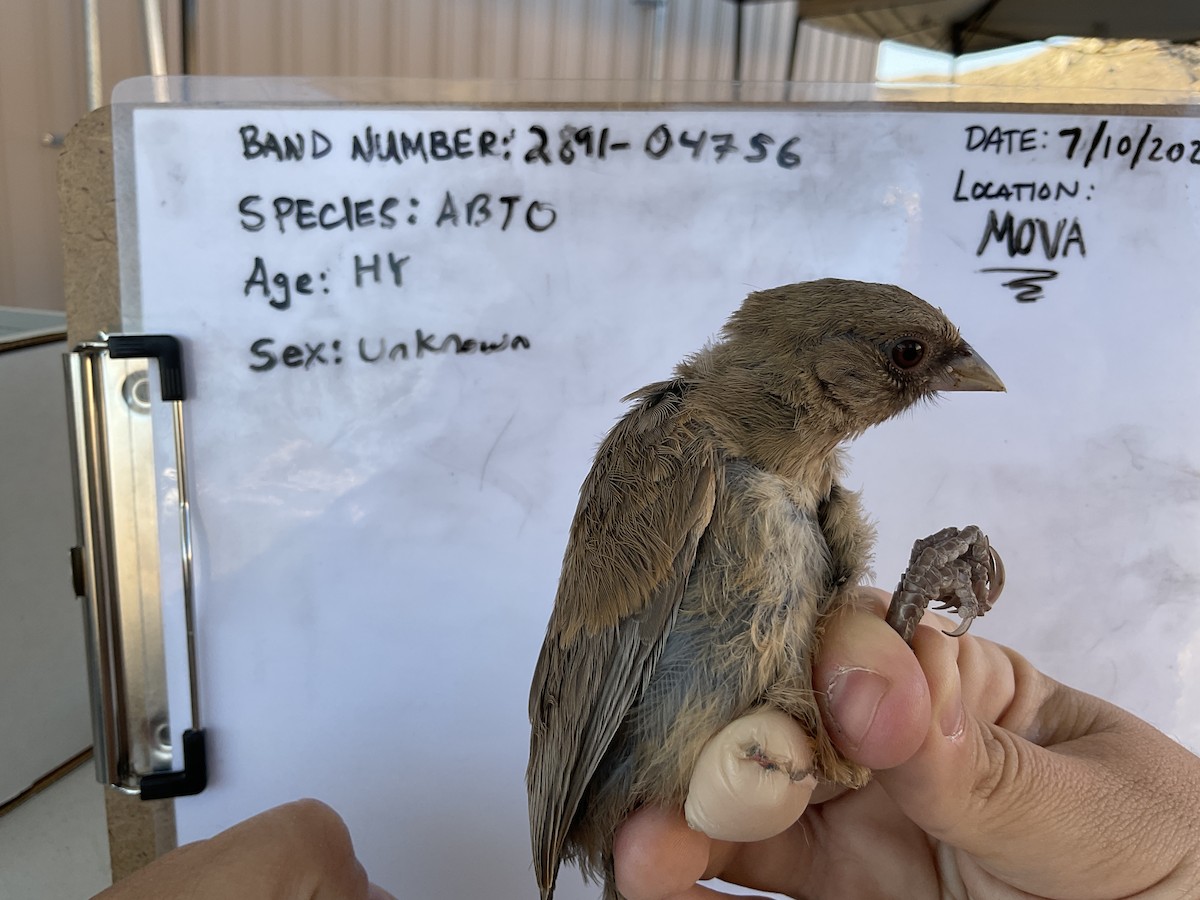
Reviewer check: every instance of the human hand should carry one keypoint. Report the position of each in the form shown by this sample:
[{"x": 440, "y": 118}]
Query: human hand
[
  {"x": 298, "y": 851},
  {"x": 991, "y": 781}
]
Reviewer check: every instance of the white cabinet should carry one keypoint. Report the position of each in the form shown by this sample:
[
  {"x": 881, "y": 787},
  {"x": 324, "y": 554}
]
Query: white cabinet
[{"x": 44, "y": 719}]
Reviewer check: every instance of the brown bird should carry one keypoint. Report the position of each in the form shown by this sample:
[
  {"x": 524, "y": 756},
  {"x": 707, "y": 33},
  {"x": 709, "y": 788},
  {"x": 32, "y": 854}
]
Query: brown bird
[{"x": 712, "y": 540}]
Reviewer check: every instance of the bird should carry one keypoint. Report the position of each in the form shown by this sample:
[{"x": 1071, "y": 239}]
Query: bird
[{"x": 712, "y": 541}]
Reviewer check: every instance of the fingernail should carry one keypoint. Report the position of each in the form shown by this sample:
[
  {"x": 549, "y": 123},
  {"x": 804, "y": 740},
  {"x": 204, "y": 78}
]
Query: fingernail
[
  {"x": 953, "y": 717},
  {"x": 853, "y": 697}
]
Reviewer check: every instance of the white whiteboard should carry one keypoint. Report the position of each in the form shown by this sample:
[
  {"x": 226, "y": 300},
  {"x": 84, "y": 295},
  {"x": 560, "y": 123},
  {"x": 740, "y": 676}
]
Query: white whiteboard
[{"x": 378, "y": 541}]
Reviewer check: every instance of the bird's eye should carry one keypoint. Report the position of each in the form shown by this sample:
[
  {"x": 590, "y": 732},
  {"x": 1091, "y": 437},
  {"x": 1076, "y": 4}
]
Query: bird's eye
[{"x": 908, "y": 353}]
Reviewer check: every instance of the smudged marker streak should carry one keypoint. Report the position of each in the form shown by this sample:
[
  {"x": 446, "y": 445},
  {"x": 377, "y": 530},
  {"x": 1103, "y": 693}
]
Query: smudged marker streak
[
  {"x": 496, "y": 443},
  {"x": 1027, "y": 286}
]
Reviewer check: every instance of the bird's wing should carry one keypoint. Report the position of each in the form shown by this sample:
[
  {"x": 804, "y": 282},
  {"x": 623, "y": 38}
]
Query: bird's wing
[{"x": 643, "y": 507}]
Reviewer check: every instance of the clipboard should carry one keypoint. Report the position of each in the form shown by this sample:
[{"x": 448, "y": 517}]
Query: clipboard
[{"x": 115, "y": 565}]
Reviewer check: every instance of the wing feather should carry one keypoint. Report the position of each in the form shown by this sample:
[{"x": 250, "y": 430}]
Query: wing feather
[{"x": 642, "y": 510}]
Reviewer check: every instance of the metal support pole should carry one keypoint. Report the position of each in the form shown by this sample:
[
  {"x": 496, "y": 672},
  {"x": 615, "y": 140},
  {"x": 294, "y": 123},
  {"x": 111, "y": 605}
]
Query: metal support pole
[
  {"x": 658, "y": 53},
  {"x": 91, "y": 50},
  {"x": 791, "y": 63},
  {"x": 654, "y": 58},
  {"x": 188, "y": 26},
  {"x": 156, "y": 50},
  {"x": 737, "y": 42}
]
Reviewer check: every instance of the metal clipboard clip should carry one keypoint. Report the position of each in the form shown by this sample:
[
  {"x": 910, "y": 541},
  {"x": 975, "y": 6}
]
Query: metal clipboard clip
[{"x": 116, "y": 564}]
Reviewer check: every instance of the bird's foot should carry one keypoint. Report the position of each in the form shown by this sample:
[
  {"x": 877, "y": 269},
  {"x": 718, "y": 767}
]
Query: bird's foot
[{"x": 958, "y": 569}]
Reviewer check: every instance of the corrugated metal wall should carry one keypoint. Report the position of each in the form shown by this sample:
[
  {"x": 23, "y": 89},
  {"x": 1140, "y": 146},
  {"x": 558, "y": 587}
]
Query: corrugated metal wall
[
  {"x": 518, "y": 39},
  {"x": 42, "y": 81}
]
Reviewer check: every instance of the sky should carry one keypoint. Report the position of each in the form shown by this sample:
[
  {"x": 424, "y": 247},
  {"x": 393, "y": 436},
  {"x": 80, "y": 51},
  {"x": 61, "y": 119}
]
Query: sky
[{"x": 900, "y": 62}]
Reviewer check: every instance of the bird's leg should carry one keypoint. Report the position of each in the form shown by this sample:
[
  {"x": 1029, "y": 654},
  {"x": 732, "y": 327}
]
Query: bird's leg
[{"x": 956, "y": 568}]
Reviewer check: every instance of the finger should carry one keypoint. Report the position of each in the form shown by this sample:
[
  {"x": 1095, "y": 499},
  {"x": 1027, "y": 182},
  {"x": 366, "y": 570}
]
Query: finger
[
  {"x": 298, "y": 851},
  {"x": 1082, "y": 816},
  {"x": 872, "y": 691},
  {"x": 656, "y": 856}
]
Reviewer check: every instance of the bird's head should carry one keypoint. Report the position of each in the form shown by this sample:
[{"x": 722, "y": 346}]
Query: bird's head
[{"x": 849, "y": 355}]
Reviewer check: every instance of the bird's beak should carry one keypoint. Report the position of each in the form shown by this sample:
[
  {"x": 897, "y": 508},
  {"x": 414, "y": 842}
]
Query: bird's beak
[{"x": 966, "y": 371}]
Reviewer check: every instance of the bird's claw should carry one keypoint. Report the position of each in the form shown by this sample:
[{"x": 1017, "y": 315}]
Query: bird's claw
[
  {"x": 957, "y": 569},
  {"x": 963, "y": 626}
]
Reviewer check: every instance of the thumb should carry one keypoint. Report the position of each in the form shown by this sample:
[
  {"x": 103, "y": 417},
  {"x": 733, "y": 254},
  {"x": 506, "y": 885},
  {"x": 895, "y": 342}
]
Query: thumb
[{"x": 1036, "y": 785}]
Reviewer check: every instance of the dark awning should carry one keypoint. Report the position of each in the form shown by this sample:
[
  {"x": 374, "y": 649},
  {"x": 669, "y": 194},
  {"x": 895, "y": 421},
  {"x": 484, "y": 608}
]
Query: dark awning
[{"x": 969, "y": 26}]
